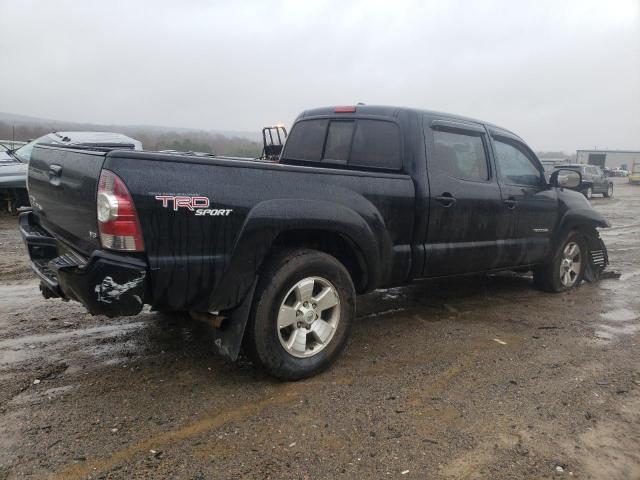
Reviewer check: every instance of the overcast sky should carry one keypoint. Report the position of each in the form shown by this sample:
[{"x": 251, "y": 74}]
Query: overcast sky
[{"x": 562, "y": 74}]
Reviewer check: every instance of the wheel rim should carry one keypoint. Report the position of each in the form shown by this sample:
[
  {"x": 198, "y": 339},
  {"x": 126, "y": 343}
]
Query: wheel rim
[
  {"x": 308, "y": 317},
  {"x": 589, "y": 192},
  {"x": 610, "y": 191},
  {"x": 570, "y": 264}
]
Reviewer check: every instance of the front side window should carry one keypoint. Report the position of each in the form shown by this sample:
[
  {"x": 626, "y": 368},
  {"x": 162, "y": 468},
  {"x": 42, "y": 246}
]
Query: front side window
[
  {"x": 514, "y": 165},
  {"x": 461, "y": 155}
]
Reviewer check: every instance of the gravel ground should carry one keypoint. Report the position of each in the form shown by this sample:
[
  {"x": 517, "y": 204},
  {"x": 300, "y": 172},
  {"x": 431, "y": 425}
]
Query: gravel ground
[{"x": 472, "y": 378}]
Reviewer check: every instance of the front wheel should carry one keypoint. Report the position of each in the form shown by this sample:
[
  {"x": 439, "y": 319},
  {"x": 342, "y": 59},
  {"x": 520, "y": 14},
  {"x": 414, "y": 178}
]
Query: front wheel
[
  {"x": 302, "y": 313},
  {"x": 609, "y": 192},
  {"x": 567, "y": 267}
]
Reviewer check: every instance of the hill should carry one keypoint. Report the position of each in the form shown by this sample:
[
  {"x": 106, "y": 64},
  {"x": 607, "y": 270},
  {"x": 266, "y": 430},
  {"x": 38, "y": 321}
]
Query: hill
[{"x": 153, "y": 137}]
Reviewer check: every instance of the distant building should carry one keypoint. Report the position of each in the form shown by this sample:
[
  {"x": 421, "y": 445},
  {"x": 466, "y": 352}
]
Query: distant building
[
  {"x": 550, "y": 163},
  {"x": 609, "y": 158}
]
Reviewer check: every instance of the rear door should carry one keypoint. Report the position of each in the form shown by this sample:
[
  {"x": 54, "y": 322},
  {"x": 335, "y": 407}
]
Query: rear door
[
  {"x": 466, "y": 216},
  {"x": 62, "y": 189},
  {"x": 530, "y": 203}
]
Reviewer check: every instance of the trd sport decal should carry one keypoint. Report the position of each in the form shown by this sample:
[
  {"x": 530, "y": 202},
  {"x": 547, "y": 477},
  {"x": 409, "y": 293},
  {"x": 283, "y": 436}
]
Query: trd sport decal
[{"x": 198, "y": 205}]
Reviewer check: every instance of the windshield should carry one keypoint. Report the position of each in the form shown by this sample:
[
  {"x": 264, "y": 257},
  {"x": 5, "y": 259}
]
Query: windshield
[{"x": 24, "y": 152}]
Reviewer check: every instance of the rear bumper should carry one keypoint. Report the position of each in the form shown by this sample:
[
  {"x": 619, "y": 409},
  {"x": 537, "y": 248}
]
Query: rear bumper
[{"x": 105, "y": 283}]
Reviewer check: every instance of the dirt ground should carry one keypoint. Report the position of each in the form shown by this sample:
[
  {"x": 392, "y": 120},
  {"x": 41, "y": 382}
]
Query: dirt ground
[{"x": 471, "y": 378}]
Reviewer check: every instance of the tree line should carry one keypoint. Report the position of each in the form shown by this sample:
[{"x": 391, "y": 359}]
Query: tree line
[{"x": 151, "y": 138}]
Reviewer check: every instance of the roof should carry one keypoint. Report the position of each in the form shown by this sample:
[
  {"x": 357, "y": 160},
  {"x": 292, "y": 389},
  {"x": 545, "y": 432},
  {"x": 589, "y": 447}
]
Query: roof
[{"x": 392, "y": 111}]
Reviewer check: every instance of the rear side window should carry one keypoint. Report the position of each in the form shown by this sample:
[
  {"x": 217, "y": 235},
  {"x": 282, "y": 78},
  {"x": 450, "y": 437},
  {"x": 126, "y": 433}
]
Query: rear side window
[
  {"x": 359, "y": 143},
  {"x": 461, "y": 155},
  {"x": 306, "y": 141},
  {"x": 376, "y": 144}
]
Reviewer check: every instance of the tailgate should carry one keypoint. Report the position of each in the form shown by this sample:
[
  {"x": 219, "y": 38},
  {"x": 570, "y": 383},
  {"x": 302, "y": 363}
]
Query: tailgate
[{"x": 62, "y": 188}]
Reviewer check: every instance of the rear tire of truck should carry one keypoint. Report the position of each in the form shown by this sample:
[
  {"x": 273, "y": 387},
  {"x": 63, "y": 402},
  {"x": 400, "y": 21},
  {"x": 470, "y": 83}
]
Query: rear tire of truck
[
  {"x": 567, "y": 267},
  {"x": 301, "y": 316}
]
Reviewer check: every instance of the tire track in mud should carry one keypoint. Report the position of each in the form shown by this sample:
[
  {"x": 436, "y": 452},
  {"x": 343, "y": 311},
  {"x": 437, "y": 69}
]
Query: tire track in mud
[
  {"x": 286, "y": 394},
  {"x": 283, "y": 395}
]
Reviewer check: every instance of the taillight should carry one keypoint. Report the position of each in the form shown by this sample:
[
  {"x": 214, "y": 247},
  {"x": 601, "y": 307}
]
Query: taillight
[{"x": 117, "y": 219}]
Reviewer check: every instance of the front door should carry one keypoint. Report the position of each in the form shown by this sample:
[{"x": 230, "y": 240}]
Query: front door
[
  {"x": 467, "y": 220},
  {"x": 600, "y": 183},
  {"x": 530, "y": 202}
]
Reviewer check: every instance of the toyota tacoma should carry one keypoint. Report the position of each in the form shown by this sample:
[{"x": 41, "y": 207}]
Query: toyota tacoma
[{"x": 361, "y": 198}]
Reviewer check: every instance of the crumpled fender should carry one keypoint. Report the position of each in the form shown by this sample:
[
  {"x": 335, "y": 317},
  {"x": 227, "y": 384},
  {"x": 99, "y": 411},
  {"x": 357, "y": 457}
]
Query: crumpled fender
[
  {"x": 582, "y": 217},
  {"x": 587, "y": 221}
]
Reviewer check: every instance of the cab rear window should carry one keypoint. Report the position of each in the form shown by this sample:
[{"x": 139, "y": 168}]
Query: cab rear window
[
  {"x": 306, "y": 141},
  {"x": 360, "y": 143}
]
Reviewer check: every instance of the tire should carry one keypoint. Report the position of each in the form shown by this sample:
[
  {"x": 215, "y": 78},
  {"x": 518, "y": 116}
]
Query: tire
[
  {"x": 552, "y": 276},
  {"x": 609, "y": 192},
  {"x": 292, "y": 283},
  {"x": 588, "y": 192}
]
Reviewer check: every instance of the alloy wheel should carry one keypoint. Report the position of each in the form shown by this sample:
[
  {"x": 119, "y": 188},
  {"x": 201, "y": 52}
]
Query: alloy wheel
[
  {"x": 308, "y": 317},
  {"x": 570, "y": 264}
]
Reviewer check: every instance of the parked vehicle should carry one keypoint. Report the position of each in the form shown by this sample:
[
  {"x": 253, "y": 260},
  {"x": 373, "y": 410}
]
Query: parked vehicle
[
  {"x": 362, "y": 197},
  {"x": 620, "y": 172},
  {"x": 13, "y": 192},
  {"x": 593, "y": 180},
  {"x": 13, "y": 167},
  {"x": 634, "y": 176}
]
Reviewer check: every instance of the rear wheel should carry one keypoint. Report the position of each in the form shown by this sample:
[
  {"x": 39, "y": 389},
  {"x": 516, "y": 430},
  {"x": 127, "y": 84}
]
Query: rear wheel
[
  {"x": 302, "y": 313},
  {"x": 609, "y": 192},
  {"x": 566, "y": 269}
]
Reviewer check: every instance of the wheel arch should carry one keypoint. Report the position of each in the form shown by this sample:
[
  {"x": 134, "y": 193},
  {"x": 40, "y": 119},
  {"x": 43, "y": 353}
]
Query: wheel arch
[
  {"x": 586, "y": 222},
  {"x": 332, "y": 242},
  {"x": 326, "y": 226}
]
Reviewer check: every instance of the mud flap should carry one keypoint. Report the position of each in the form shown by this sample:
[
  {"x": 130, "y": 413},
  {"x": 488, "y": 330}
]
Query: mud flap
[{"x": 228, "y": 338}]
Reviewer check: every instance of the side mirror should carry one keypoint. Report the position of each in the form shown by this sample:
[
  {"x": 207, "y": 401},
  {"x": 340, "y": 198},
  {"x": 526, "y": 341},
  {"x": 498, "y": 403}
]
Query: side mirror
[{"x": 563, "y": 177}]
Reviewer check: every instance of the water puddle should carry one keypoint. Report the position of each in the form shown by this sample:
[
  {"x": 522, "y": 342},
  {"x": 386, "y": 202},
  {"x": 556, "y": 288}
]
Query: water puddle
[
  {"x": 610, "y": 332},
  {"x": 620, "y": 315},
  {"x": 15, "y": 350}
]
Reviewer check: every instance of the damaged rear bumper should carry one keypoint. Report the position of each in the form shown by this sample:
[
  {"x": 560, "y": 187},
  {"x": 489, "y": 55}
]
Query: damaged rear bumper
[{"x": 105, "y": 283}]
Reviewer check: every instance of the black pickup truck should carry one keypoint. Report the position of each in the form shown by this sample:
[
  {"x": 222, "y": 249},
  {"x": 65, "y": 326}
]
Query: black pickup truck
[{"x": 361, "y": 198}]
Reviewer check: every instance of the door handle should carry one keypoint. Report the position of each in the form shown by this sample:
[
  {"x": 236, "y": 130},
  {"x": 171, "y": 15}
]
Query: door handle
[
  {"x": 511, "y": 203},
  {"x": 446, "y": 199},
  {"x": 55, "y": 170}
]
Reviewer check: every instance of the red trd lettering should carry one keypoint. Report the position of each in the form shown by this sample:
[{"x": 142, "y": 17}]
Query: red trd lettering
[
  {"x": 165, "y": 199},
  {"x": 182, "y": 202},
  {"x": 176, "y": 202},
  {"x": 200, "y": 202}
]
